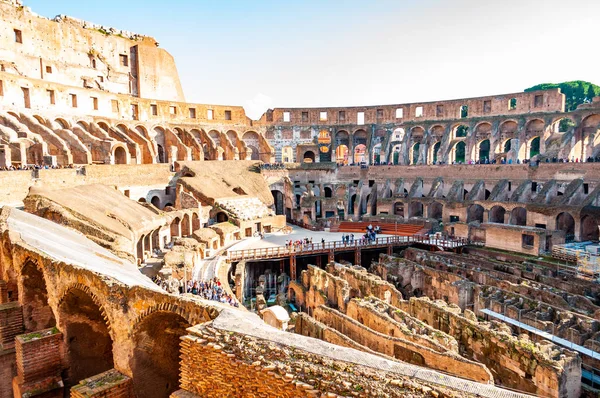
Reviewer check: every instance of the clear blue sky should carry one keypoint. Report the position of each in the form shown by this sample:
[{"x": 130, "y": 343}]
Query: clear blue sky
[{"x": 346, "y": 52}]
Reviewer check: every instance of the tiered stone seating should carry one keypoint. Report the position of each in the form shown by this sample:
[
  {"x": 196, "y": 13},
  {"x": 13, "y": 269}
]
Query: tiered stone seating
[
  {"x": 245, "y": 208},
  {"x": 386, "y": 228}
]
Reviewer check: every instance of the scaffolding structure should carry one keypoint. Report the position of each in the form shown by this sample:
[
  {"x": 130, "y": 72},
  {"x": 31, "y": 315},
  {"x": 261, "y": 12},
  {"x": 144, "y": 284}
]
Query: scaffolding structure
[{"x": 578, "y": 259}]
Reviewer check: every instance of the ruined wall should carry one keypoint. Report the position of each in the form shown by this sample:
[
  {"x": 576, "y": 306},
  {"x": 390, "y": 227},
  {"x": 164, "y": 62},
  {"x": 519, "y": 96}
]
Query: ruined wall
[
  {"x": 541, "y": 369},
  {"x": 220, "y": 362},
  {"x": 400, "y": 348},
  {"x": 71, "y": 52}
]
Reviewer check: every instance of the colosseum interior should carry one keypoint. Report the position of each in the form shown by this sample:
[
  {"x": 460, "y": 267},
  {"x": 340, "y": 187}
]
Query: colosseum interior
[{"x": 152, "y": 247}]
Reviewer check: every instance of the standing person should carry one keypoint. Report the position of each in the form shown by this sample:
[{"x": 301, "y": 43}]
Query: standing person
[{"x": 351, "y": 238}]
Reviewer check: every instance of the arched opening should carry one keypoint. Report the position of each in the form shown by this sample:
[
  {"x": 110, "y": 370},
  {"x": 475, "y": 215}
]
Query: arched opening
[
  {"x": 103, "y": 126},
  {"x": 161, "y": 154},
  {"x": 460, "y": 131},
  {"x": 436, "y": 210},
  {"x": 341, "y": 154},
  {"x": 155, "y": 202},
  {"x": 518, "y": 216},
  {"x": 120, "y": 155},
  {"x": 195, "y": 222},
  {"x": 222, "y": 217},
  {"x": 398, "y": 134},
  {"x": 309, "y": 157},
  {"x": 324, "y": 140},
  {"x": 434, "y": 152},
  {"x": 376, "y": 158},
  {"x": 563, "y": 125},
  {"x": 186, "y": 226},
  {"x": 62, "y": 123},
  {"x": 86, "y": 336},
  {"x": 414, "y": 153},
  {"x": 475, "y": 213},
  {"x": 565, "y": 222},
  {"x": 359, "y": 154},
  {"x": 287, "y": 154},
  {"x": 458, "y": 152},
  {"x": 534, "y": 147},
  {"x": 327, "y": 191},
  {"x": 278, "y": 202},
  {"x": 351, "y": 204},
  {"x": 399, "y": 209},
  {"x": 298, "y": 198},
  {"x": 254, "y": 153},
  {"x": 506, "y": 146},
  {"x": 155, "y": 362},
  {"x": 589, "y": 228},
  {"x": 37, "y": 314},
  {"x": 415, "y": 209},
  {"x": 483, "y": 151},
  {"x": 497, "y": 214},
  {"x": 175, "y": 224}
]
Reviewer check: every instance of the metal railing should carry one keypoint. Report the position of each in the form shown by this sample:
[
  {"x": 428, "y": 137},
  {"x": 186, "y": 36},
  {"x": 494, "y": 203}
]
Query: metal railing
[{"x": 321, "y": 248}]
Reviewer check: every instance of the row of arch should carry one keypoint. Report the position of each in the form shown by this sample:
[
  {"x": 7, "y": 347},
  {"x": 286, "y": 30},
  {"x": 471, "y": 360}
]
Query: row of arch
[
  {"x": 89, "y": 340},
  {"x": 509, "y": 140}
]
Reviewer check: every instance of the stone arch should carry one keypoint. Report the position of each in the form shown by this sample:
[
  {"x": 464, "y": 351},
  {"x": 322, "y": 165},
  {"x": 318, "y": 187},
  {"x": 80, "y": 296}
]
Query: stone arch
[
  {"x": 415, "y": 209},
  {"x": 396, "y": 154},
  {"x": 175, "y": 227},
  {"x": 278, "y": 202},
  {"x": 565, "y": 222},
  {"x": 62, "y": 123},
  {"x": 481, "y": 151},
  {"x": 195, "y": 222},
  {"x": 88, "y": 342},
  {"x": 222, "y": 217},
  {"x": 120, "y": 154},
  {"x": 434, "y": 151},
  {"x": 563, "y": 125},
  {"x": 341, "y": 154},
  {"x": 359, "y": 153},
  {"x": 40, "y": 119},
  {"x": 376, "y": 154},
  {"x": 398, "y": 134},
  {"x": 497, "y": 214},
  {"x": 518, "y": 216},
  {"x": 460, "y": 131},
  {"x": 589, "y": 228},
  {"x": 435, "y": 211},
  {"x": 186, "y": 225},
  {"x": 308, "y": 157},
  {"x": 475, "y": 213},
  {"x": 254, "y": 152},
  {"x": 161, "y": 145},
  {"x": 155, "y": 201},
  {"x": 414, "y": 153},
  {"x": 104, "y": 126},
  {"x": 37, "y": 313},
  {"x": 155, "y": 361},
  {"x": 328, "y": 192},
  {"x": 458, "y": 152}
]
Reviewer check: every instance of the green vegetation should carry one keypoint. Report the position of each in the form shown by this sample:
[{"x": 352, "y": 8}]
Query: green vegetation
[{"x": 577, "y": 92}]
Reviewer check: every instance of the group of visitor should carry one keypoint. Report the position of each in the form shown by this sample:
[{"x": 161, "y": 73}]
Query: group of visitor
[
  {"x": 211, "y": 290},
  {"x": 35, "y": 167},
  {"x": 300, "y": 244},
  {"x": 207, "y": 290}
]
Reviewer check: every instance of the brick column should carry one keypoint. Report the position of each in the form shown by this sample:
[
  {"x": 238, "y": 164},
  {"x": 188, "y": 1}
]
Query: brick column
[
  {"x": 3, "y": 292},
  {"x": 11, "y": 323},
  {"x": 39, "y": 364}
]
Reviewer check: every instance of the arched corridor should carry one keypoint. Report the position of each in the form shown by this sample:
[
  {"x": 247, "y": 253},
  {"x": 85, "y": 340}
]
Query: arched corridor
[
  {"x": 155, "y": 361},
  {"x": 87, "y": 339}
]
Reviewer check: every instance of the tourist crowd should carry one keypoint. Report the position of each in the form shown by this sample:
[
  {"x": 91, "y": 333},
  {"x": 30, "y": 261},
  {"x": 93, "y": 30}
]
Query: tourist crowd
[
  {"x": 207, "y": 290},
  {"x": 211, "y": 290},
  {"x": 272, "y": 166},
  {"x": 35, "y": 167}
]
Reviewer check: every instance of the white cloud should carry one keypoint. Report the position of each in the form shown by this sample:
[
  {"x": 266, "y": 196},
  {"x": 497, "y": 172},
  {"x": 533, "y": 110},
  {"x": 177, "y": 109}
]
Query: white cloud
[{"x": 258, "y": 105}]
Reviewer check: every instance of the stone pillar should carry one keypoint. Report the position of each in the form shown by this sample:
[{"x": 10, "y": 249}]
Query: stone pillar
[
  {"x": 293, "y": 273},
  {"x": 357, "y": 256},
  {"x": 331, "y": 256}
]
